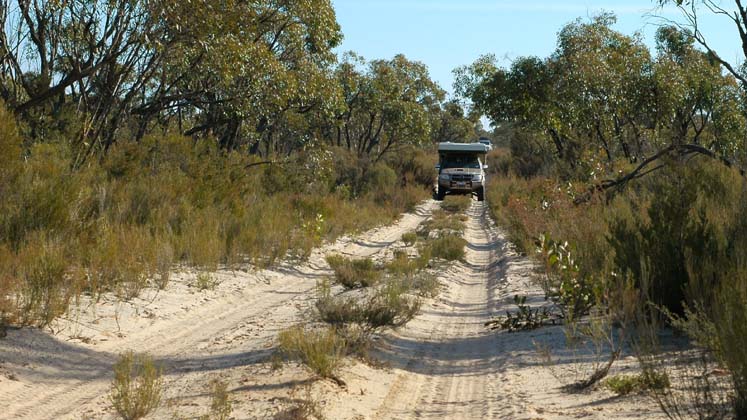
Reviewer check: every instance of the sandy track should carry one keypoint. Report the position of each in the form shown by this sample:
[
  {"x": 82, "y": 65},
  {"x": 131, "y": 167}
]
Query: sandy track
[
  {"x": 447, "y": 365},
  {"x": 443, "y": 365},
  {"x": 452, "y": 365},
  {"x": 67, "y": 374}
]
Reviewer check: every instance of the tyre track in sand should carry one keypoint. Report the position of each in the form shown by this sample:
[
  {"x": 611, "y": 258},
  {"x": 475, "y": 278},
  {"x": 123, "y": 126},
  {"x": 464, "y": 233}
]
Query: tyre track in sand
[
  {"x": 450, "y": 365},
  {"x": 57, "y": 379}
]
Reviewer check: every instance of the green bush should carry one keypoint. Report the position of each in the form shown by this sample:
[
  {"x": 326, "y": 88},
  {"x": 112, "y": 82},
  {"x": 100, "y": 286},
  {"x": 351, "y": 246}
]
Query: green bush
[
  {"x": 449, "y": 248},
  {"x": 137, "y": 386},
  {"x": 354, "y": 273},
  {"x": 409, "y": 238},
  {"x": 627, "y": 384},
  {"x": 321, "y": 351},
  {"x": 456, "y": 203}
]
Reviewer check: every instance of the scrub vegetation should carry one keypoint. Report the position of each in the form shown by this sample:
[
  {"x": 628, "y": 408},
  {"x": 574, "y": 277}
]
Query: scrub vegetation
[
  {"x": 176, "y": 136},
  {"x": 621, "y": 170}
]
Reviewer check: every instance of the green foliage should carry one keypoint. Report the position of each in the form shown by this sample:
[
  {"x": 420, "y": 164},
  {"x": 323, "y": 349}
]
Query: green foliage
[
  {"x": 447, "y": 247},
  {"x": 456, "y": 203},
  {"x": 409, "y": 238},
  {"x": 627, "y": 384},
  {"x": 524, "y": 319},
  {"x": 563, "y": 284},
  {"x": 354, "y": 273},
  {"x": 137, "y": 386},
  {"x": 602, "y": 99}
]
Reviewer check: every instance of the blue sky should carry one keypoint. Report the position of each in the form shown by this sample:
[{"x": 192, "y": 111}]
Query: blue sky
[{"x": 445, "y": 34}]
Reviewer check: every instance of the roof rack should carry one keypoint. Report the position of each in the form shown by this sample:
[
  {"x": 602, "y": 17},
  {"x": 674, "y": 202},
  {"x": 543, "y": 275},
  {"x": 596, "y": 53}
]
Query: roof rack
[{"x": 462, "y": 147}]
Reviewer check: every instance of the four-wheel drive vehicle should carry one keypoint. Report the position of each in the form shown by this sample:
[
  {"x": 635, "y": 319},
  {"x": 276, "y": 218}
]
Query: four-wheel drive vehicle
[{"x": 460, "y": 169}]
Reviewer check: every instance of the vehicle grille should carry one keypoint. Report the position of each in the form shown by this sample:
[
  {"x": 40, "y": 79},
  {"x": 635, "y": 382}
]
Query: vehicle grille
[{"x": 461, "y": 177}]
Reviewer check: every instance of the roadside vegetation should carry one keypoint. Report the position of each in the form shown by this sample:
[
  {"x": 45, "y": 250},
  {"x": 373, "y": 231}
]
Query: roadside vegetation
[
  {"x": 621, "y": 171},
  {"x": 219, "y": 146}
]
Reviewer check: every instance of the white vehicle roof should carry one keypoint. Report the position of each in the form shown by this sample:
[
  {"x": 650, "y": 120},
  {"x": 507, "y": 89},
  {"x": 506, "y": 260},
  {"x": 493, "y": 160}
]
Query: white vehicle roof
[{"x": 462, "y": 147}]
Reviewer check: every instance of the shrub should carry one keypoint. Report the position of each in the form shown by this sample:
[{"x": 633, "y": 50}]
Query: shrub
[
  {"x": 128, "y": 215},
  {"x": 137, "y": 386},
  {"x": 220, "y": 403},
  {"x": 409, "y": 238},
  {"x": 320, "y": 350},
  {"x": 627, "y": 384},
  {"x": 402, "y": 265},
  {"x": 388, "y": 307},
  {"x": 352, "y": 273},
  {"x": 442, "y": 223},
  {"x": 456, "y": 203},
  {"x": 449, "y": 248},
  {"x": 205, "y": 281},
  {"x": 46, "y": 286},
  {"x": 525, "y": 318}
]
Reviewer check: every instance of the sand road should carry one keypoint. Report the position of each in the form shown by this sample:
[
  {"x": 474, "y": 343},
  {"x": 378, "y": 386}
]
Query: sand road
[{"x": 443, "y": 365}]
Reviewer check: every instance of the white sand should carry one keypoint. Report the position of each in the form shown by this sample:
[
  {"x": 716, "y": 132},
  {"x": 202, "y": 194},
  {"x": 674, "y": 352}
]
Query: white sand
[{"x": 444, "y": 364}]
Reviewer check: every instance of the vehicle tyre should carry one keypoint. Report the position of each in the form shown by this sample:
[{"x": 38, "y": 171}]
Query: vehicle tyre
[
  {"x": 481, "y": 194},
  {"x": 440, "y": 193}
]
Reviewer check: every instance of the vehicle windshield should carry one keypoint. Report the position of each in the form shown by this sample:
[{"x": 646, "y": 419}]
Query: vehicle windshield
[{"x": 460, "y": 161}]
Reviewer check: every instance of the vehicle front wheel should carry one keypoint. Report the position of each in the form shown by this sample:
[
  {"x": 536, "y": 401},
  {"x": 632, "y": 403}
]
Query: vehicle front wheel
[
  {"x": 481, "y": 194},
  {"x": 440, "y": 193}
]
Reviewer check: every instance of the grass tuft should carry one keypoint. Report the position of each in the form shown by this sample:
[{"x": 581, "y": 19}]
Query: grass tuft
[
  {"x": 137, "y": 386},
  {"x": 321, "y": 351},
  {"x": 351, "y": 273},
  {"x": 456, "y": 203},
  {"x": 628, "y": 384}
]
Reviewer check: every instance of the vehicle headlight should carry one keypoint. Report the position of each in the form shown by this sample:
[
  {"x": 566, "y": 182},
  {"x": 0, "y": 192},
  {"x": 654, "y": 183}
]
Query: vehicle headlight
[
  {"x": 444, "y": 177},
  {"x": 477, "y": 178}
]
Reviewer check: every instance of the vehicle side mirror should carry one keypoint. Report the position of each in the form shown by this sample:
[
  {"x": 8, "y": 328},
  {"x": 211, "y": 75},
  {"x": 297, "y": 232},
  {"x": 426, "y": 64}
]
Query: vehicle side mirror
[
  {"x": 485, "y": 166},
  {"x": 438, "y": 166}
]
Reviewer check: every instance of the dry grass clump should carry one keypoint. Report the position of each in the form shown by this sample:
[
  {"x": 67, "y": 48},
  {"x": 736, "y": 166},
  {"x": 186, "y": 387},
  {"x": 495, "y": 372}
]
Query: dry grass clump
[
  {"x": 305, "y": 408},
  {"x": 643, "y": 382},
  {"x": 221, "y": 406},
  {"x": 442, "y": 223},
  {"x": 409, "y": 238},
  {"x": 402, "y": 265},
  {"x": 448, "y": 247},
  {"x": 388, "y": 307},
  {"x": 137, "y": 386},
  {"x": 354, "y": 273},
  {"x": 456, "y": 203},
  {"x": 321, "y": 350}
]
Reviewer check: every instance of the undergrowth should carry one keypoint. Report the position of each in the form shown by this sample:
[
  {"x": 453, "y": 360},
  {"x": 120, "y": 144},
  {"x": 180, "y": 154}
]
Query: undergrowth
[
  {"x": 137, "y": 386},
  {"x": 120, "y": 223}
]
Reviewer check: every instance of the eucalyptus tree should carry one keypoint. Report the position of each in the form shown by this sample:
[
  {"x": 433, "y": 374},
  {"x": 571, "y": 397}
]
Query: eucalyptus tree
[
  {"x": 601, "y": 99},
  {"x": 224, "y": 68},
  {"x": 387, "y": 105},
  {"x": 244, "y": 66},
  {"x": 735, "y": 15},
  {"x": 588, "y": 97}
]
